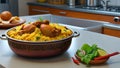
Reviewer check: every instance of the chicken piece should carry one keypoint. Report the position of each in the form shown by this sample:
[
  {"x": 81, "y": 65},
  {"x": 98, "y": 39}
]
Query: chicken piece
[
  {"x": 45, "y": 22},
  {"x": 49, "y": 30},
  {"x": 29, "y": 28},
  {"x": 37, "y": 23}
]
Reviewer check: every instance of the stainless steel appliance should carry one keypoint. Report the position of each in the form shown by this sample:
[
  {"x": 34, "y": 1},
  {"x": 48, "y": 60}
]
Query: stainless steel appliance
[
  {"x": 73, "y": 2},
  {"x": 93, "y": 3},
  {"x": 9, "y": 5}
]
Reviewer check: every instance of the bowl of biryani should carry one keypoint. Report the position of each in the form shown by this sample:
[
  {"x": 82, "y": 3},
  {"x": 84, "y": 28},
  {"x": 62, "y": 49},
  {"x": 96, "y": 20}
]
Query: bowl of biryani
[{"x": 40, "y": 39}]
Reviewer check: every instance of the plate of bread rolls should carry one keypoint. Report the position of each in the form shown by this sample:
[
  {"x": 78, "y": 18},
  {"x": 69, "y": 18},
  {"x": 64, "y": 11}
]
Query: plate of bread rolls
[{"x": 7, "y": 20}]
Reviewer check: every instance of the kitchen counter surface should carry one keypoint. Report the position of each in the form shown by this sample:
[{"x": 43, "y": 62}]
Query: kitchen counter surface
[
  {"x": 111, "y": 44},
  {"x": 76, "y": 8}
]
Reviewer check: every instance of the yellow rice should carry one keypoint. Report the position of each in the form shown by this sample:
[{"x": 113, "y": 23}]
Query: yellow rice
[{"x": 37, "y": 35}]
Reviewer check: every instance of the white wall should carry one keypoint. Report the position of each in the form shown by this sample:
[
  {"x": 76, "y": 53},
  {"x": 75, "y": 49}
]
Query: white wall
[{"x": 23, "y": 7}]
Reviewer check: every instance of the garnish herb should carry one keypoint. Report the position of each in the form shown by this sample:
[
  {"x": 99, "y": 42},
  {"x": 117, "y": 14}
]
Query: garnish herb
[
  {"x": 87, "y": 53},
  {"x": 37, "y": 38},
  {"x": 40, "y": 19}
]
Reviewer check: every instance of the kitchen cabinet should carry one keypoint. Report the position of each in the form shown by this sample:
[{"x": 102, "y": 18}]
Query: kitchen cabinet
[
  {"x": 59, "y": 12},
  {"x": 111, "y": 32},
  {"x": 105, "y": 30},
  {"x": 83, "y": 15},
  {"x": 33, "y": 10},
  {"x": 92, "y": 16}
]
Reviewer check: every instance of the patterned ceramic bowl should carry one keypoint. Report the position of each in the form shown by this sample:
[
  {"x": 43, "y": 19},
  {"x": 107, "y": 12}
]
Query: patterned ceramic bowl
[{"x": 40, "y": 49}]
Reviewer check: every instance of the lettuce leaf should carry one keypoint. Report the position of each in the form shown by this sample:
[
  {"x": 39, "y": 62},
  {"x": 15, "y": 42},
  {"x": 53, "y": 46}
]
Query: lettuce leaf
[
  {"x": 90, "y": 53},
  {"x": 87, "y": 48}
]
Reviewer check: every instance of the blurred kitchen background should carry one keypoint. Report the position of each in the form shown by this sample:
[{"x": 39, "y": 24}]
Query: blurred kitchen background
[
  {"x": 20, "y": 7},
  {"x": 17, "y": 7}
]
